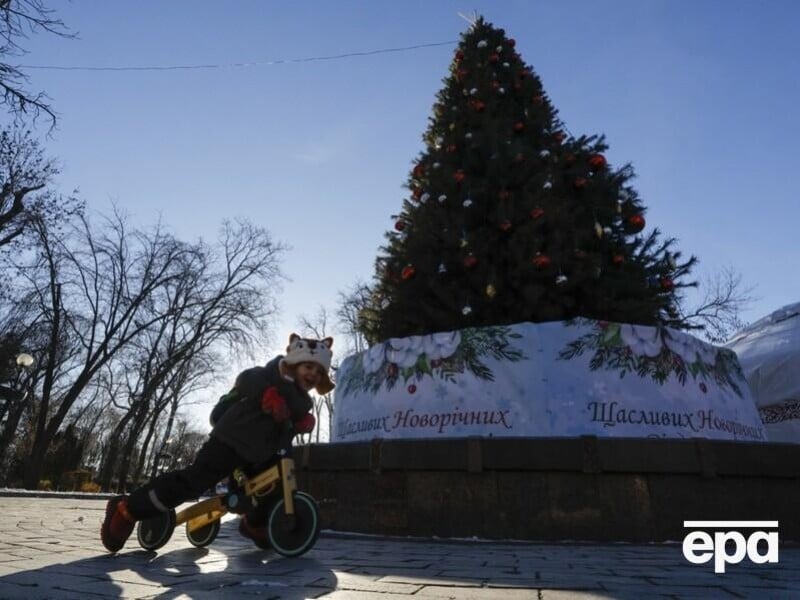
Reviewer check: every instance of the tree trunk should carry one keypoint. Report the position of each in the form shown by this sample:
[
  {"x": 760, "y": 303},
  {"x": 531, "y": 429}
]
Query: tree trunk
[{"x": 127, "y": 453}]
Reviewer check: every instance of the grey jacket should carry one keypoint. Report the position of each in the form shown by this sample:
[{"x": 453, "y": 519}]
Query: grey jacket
[{"x": 245, "y": 427}]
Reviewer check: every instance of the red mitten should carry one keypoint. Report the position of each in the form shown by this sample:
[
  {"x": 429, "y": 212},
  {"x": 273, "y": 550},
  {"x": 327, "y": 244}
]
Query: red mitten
[
  {"x": 306, "y": 424},
  {"x": 273, "y": 404}
]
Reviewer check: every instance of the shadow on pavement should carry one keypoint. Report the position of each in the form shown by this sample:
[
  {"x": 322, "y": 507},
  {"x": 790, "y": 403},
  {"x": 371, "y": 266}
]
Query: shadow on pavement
[{"x": 223, "y": 569}]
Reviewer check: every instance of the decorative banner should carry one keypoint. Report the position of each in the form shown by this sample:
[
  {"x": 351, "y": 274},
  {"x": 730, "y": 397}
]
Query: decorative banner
[
  {"x": 769, "y": 353},
  {"x": 558, "y": 379}
]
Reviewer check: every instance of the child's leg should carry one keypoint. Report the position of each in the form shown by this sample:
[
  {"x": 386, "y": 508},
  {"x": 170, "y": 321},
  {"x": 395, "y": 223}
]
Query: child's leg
[{"x": 215, "y": 461}]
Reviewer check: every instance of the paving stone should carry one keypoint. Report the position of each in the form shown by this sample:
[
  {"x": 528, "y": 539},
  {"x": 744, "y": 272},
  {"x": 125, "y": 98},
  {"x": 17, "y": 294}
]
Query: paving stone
[{"x": 49, "y": 548}]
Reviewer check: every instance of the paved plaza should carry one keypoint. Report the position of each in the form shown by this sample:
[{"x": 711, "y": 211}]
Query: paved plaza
[{"x": 50, "y": 548}]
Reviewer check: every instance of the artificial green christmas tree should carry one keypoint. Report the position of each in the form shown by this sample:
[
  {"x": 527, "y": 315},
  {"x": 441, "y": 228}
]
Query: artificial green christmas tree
[{"x": 509, "y": 219}]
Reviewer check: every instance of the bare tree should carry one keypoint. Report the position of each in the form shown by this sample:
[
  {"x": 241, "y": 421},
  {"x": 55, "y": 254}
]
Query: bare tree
[
  {"x": 718, "y": 312},
  {"x": 353, "y": 304},
  {"x": 99, "y": 287},
  {"x": 225, "y": 296},
  {"x": 18, "y": 19}
]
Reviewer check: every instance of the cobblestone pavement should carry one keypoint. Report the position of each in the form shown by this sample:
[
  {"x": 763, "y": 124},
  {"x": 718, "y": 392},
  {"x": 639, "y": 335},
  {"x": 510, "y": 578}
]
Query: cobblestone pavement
[{"x": 50, "y": 548}]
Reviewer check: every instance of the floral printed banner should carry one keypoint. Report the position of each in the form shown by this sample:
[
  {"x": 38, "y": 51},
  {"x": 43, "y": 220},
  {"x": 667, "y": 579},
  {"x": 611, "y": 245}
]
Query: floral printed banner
[{"x": 555, "y": 379}]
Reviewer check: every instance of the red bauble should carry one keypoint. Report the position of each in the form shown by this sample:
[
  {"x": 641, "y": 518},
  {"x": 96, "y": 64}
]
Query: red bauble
[
  {"x": 478, "y": 105},
  {"x": 400, "y": 225},
  {"x": 537, "y": 213},
  {"x": 412, "y": 388},
  {"x": 461, "y": 73},
  {"x": 667, "y": 284},
  {"x": 541, "y": 261},
  {"x": 580, "y": 183},
  {"x": 408, "y": 272},
  {"x": 470, "y": 261},
  {"x": 458, "y": 176},
  {"x": 416, "y": 193},
  {"x": 618, "y": 259},
  {"x": 512, "y": 42},
  {"x": 597, "y": 162},
  {"x": 519, "y": 126},
  {"x": 419, "y": 171},
  {"x": 392, "y": 369},
  {"x": 451, "y": 148},
  {"x": 504, "y": 194},
  {"x": 559, "y": 136},
  {"x": 636, "y": 223},
  {"x": 538, "y": 100},
  {"x": 459, "y": 55},
  {"x": 703, "y": 387},
  {"x": 505, "y": 225},
  {"x": 494, "y": 57}
]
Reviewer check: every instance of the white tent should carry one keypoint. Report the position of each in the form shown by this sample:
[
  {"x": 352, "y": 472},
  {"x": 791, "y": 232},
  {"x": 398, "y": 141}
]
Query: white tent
[{"x": 769, "y": 352}]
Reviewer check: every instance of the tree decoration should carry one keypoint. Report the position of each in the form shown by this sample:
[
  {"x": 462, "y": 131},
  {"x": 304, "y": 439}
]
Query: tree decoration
[
  {"x": 618, "y": 259},
  {"x": 667, "y": 284},
  {"x": 467, "y": 203},
  {"x": 541, "y": 261},
  {"x": 442, "y": 197},
  {"x": 491, "y": 292},
  {"x": 504, "y": 195},
  {"x": 442, "y": 269},
  {"x": 537, "y": 213},
  {"x": 579, "y": 183},
  {"x": 400, "y": 225},
  {"x": 408, "y": 272},
  {"x": 598, "y": 230},
  {"x": 597, "y": 161},
  {"x": 505, "y": 225},
  {"x": 519, "y": 126},
  {"x": 561, "y": 280},
  {"x": 467, "y": 310},
  {"x": 419, "y": 171},
  {"x": 458, "y": 176},
  {"x": 636, "y": 223},
  {"x": 470, "y": 261}
]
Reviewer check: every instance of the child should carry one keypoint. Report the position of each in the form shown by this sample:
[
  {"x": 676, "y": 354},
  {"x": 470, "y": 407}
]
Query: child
[{"x": 247, "y": 433}]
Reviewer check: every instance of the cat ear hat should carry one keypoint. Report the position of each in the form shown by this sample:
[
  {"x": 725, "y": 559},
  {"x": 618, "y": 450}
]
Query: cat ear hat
[{"x": 302, "y": 350}]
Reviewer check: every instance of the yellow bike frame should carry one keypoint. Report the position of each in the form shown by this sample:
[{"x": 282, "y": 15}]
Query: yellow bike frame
[{"x": 207, "y": 511}]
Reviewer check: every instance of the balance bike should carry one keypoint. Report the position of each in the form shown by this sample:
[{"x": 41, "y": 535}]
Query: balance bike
[{"x": 292, "y": 526}]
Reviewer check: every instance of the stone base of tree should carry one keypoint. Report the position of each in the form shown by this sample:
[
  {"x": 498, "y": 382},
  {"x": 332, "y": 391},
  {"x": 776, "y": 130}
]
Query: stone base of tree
[{"x": 582, "y": 489}]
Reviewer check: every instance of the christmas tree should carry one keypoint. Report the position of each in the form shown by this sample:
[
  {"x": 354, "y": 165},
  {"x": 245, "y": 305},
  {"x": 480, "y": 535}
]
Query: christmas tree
[{"x": 510, "y": 219}]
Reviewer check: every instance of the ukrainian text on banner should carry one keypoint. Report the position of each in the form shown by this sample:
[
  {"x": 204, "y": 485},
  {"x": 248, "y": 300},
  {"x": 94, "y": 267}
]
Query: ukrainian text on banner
[{"x": 545, "y": 380}]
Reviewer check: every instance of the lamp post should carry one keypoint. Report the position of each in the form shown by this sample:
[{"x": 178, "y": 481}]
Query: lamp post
[{"x": 24, "y": 360}]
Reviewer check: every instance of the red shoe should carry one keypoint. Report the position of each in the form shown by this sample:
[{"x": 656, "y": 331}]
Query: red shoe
[
  {"x": 118, "y": 524},
  {"x": 257, "y": 534}
]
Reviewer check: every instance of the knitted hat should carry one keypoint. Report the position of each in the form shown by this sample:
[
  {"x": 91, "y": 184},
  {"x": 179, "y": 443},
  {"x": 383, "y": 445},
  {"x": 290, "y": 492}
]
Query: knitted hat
[{"x": 302, "y": 350}]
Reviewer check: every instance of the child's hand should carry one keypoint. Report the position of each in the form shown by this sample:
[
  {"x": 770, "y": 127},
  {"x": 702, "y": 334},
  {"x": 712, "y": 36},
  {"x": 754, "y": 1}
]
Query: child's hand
[
  {"x": 273, "y": 404},
  {"x": 306, "y": 424}
]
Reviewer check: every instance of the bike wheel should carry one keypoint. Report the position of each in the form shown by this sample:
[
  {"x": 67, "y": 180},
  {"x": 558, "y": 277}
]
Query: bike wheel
[
  {"x": 203, "y": 536},
  {"x": 293, "y": 537},
  {"x": 154, "y": 533}
]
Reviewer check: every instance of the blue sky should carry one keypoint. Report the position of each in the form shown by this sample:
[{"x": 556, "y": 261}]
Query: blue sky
[{"x": 701, "y": 97}]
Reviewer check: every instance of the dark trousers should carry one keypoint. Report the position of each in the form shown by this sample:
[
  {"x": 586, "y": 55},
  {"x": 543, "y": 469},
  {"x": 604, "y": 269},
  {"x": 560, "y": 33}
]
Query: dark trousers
[{"x": 214, "y": 462}]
